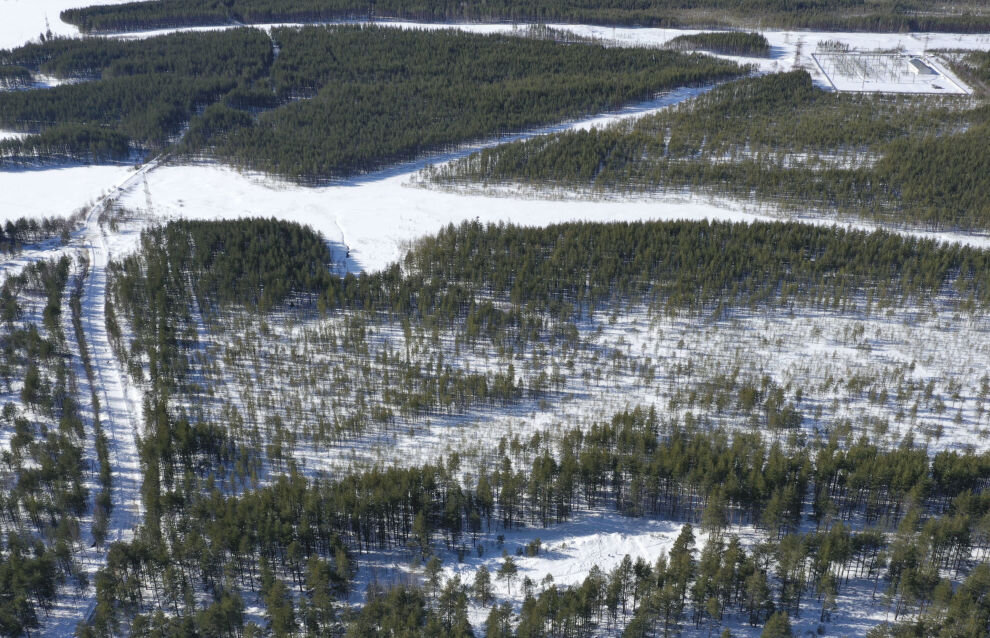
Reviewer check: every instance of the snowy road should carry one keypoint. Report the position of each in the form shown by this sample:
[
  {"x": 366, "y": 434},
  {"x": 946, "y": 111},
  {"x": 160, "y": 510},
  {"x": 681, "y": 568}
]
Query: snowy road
[
  {"x": 120, "y": 403},
  {"x": 119, "y": 406}
]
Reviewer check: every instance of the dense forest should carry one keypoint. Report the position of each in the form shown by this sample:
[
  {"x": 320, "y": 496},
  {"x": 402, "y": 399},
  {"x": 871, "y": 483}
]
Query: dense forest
[
  {"x": 780, "y": 140},
  {"x": 385, "y": 95},
  {"x": 123, "y": 96},
  {"x": 838, "y": 15},
  {"x": 724, "y": 42},
  {"x": 334, "y": 102},
  {"x": 569, "y": 269},
  {"x": 974, "y": 66}
]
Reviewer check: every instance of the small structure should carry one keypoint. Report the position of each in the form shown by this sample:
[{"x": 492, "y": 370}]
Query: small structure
[{"x": 919, "y": 67}]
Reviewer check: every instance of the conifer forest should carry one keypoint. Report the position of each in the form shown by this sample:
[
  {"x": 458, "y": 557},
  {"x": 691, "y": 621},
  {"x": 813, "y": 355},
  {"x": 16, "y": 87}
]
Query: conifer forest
[{"x": 553, "y": 319}]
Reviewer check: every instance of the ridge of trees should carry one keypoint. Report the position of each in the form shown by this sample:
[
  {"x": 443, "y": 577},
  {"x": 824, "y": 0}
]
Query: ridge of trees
[
  {"x": 724, "y": 42},
  {"x": 384, "y": 95},
  {"x": 336, "y": 100},
  {"x": 777, "y": 139},
  {"x": 566, "y": 269},
  {"x": 837, "y": 15}
]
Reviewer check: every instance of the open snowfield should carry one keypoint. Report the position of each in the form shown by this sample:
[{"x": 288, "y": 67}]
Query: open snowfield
[
  {"x": 24, "y": 20},
  {"x": 867, "y": 370},
  {"x": 46, "y": 192}
]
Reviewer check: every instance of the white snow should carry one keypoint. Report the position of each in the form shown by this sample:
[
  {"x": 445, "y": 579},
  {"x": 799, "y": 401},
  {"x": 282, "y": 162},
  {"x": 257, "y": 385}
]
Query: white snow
[
  {"x": 25, "y": 20},
  {"x": 11, "y": 135},
  {"x": 886, "y": 73},
  {"x": 376, "y": 218},
  {"x": 60, "y": 191}
]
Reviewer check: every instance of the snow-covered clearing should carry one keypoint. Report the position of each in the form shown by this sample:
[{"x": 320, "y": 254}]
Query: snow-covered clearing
[
  {"x": 602, "y": 539},
  {"x": 46, "y": 192},
  {"x": 25, "y": 20},
  {"x": 863, "y": 72},
  {"x": 377, "y": 216},
  {"x": 307, "y": 384}
]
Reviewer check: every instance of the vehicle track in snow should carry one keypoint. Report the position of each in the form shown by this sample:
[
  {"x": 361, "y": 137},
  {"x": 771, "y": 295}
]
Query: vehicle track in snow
[{"x": 118, "y": 403}]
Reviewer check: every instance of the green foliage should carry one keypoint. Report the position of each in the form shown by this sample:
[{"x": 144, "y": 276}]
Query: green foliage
[
  {"x": 381, "y": 95},
  {"x": 778, "y": 626},
  {"x": 234, "y": 53},
  {"x": 90, "y": 143},
  {"x": 373, "y": 95},
  {"x": 724, "y": 42},
  {"x": 135, "y": 94}
]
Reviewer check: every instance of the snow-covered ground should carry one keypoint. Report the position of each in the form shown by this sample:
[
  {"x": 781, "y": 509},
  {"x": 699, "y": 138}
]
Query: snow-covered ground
[
  {"x": 25, "y": 20},
  {"x": 913, "y": 371},
  {"x": 376, "y": 217},
  {"x": 862, "y": 72},
  {"x": 11, "y": 135},
  {"x": 47, "y": 192}
]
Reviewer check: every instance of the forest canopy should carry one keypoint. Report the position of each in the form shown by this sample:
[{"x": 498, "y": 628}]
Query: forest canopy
[
  {"x": 335, "y": 101},
  {"x": 840, "y": 15},
  {"x": 780, "y": 140},
  {"x": 724, "y": 42}
]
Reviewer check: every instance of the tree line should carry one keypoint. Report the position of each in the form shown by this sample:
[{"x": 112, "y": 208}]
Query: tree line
[
  {"x": 884, "y": 15},
  {"x": 725, "y": 42}
]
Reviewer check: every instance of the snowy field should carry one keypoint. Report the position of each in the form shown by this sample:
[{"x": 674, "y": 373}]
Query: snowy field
[
  {"x": 865, "y": 72},
  {"x": 47, "y": 192},
  {"x": 25, "y": 20}
]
